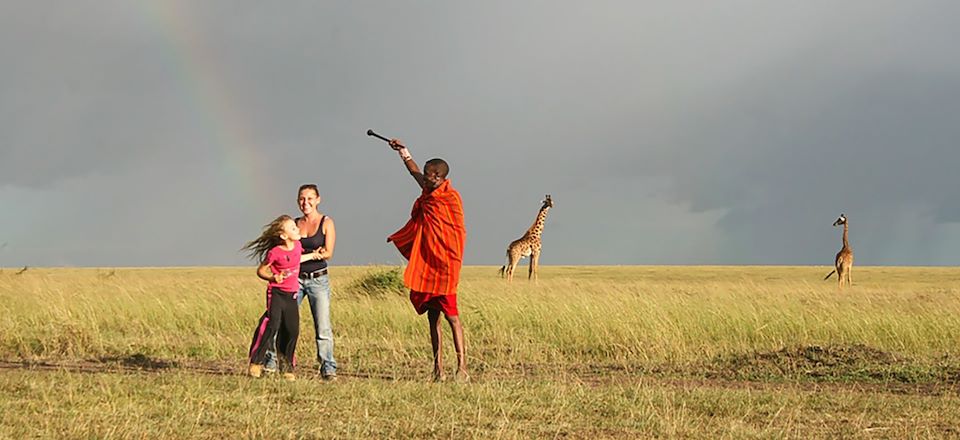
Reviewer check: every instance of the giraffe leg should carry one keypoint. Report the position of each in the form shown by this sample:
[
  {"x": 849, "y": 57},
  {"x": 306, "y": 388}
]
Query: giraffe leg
[
  {"x": 845, "y": 265},
  {"x": 506, "y": 267},
  {"x": 534, "y": 265},
  {"x": 514, "y": 260}
]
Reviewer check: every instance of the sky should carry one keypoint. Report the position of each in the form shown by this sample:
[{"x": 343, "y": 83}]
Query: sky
[{"x": 167, "y": 133}]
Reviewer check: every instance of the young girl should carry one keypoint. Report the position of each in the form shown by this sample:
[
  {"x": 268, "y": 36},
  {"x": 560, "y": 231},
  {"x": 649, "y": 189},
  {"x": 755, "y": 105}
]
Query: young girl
[{"x": 280, "y": 253}]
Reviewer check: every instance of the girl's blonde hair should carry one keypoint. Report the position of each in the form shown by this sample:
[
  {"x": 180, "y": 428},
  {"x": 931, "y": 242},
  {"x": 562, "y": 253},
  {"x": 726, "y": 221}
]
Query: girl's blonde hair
[{"x": 270, "y": 237}]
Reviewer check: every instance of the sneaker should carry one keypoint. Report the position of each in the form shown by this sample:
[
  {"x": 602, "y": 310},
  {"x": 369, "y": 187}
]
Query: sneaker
[
  {"x": 329, "y": 377},
  {"x": 289, "y": 376},
  {"x": 270, "y": 362},
  {"x": 255, "y": 370}
]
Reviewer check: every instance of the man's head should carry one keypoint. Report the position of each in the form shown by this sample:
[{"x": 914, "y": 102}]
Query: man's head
[{"x": 435, "y": 173}]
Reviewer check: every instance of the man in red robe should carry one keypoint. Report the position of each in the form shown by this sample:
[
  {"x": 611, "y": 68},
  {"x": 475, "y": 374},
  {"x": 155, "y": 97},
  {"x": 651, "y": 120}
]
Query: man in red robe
[{"x": 433, "y": 241}]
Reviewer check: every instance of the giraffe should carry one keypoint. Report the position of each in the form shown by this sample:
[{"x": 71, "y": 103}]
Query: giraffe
[
  {"x": 528, "y": 245},
  {"x": 844, "y": 261}
]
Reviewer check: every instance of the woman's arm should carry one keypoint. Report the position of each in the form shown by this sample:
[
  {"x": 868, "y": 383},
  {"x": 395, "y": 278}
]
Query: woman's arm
[
  {"x": 408, "y": 161},
  {"x": 330, "y": 239}
]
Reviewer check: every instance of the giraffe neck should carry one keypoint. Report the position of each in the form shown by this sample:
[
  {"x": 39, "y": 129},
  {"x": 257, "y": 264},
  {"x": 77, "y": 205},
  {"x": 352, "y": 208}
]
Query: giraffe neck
[
  {"x": 846, "y": 242},
  {"x": 537, "y": 227}
]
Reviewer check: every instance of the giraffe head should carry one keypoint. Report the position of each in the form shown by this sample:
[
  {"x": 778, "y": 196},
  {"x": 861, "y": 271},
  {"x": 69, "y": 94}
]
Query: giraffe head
[
  {"x": 842, "y": 220},
  {"x": 547, "y": 202}
]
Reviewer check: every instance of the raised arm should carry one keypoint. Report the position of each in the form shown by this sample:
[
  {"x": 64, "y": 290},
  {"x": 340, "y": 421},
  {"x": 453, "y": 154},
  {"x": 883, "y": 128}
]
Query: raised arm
[{"x": 408, "y": 161}]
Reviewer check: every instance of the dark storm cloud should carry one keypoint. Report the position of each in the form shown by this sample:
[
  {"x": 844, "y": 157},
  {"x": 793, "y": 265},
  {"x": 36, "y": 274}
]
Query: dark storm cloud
[
  {"x": 78, "y": 92},
  {"x": 861, "y": 121},
  {"x": 666, "y": 132}
]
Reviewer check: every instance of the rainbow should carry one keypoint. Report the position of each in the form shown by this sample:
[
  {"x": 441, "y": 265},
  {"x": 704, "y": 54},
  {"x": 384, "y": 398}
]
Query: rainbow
[{"x": 242, "y": 166}]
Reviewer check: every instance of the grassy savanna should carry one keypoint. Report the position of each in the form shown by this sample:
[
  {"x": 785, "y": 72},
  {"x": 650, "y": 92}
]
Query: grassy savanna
[{"x": 706, "y": 352}]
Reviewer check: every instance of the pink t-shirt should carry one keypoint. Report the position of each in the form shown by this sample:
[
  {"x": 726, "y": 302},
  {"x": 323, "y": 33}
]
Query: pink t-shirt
[{"x": 281, "y": 261}]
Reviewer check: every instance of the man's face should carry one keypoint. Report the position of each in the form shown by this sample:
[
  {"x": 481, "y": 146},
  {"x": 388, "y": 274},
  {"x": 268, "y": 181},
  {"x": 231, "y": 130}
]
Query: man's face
[{"x": 433, "y": 176}]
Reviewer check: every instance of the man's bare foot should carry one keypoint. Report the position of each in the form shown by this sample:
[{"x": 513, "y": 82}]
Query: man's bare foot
[
  {"x": 438, "y": 376},
  {"x": 462, "y": 375}
]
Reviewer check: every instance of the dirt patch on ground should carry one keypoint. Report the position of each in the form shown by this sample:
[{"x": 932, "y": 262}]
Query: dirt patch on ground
[
  {"x": 847, "y": 363},
  {"x": 851, "y": 368}
]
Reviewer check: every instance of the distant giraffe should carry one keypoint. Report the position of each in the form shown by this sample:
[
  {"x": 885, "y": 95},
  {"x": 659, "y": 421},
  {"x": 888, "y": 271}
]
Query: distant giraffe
[
  {"x": 844, "y": 261},
  {"x": 528, "y": 245}
]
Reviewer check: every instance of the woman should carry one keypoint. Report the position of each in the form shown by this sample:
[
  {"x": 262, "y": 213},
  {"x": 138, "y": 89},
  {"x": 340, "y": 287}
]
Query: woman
[{"x": 317, "y": 233}]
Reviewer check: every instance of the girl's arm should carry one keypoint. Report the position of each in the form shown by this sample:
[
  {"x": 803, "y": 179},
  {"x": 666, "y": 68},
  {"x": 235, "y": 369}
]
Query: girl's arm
[
  {"x": 408, "y": 161},
  {"x": 264, "y": 272},
  {"x": 315, "y": 255}
]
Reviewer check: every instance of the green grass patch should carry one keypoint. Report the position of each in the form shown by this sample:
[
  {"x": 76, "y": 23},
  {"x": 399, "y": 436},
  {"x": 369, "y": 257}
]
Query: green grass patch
[{"x": 379, "y": 282}]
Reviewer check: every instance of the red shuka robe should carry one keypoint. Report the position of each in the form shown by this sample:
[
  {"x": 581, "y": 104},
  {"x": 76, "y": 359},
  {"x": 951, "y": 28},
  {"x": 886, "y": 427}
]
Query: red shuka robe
[{"x": 433, "y": 241}]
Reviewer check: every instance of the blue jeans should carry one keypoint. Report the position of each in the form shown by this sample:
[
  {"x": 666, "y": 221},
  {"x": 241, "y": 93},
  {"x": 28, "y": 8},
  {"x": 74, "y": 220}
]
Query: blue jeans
[{"x": 317, "y": 290}]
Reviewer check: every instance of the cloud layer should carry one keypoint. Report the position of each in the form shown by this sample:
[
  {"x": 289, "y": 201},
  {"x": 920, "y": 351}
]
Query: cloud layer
[{"x": 167, "y": 133}]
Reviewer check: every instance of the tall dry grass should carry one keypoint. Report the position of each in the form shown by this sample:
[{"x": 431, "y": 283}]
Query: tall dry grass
[
  {"x": 588, "y": 352},
  {"x": 573, "y": 317}
]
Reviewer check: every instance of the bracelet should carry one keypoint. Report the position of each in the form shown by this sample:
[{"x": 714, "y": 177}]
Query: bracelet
[{"x": 405, "y": 154}]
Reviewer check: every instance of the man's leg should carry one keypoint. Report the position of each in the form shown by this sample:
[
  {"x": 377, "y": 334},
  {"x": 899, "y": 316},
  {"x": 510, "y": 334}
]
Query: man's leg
[
  {"x": 457, "y": 329},
  {"x": 435, "y": 341}
]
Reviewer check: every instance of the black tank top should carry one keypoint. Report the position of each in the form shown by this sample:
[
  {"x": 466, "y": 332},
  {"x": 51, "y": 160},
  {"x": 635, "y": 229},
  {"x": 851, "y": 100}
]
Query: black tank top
[{"x": 310, "y": 244}]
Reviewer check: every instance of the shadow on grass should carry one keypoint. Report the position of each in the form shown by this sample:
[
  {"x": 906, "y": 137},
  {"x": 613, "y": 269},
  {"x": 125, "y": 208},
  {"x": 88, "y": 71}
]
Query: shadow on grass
[{"x": 137, "y": 362}]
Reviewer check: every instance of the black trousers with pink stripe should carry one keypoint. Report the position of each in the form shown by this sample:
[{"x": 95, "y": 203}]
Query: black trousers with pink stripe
[{"x": 279, "y": 325}]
